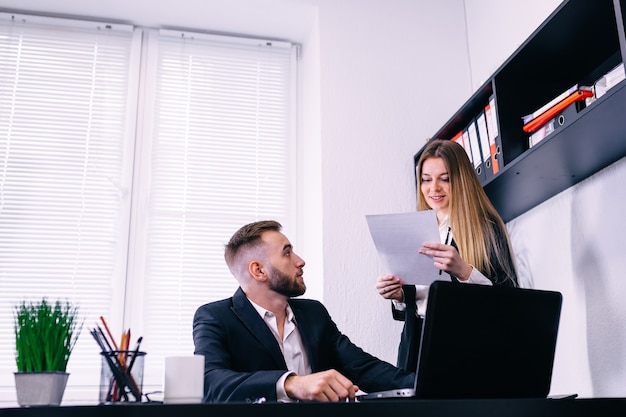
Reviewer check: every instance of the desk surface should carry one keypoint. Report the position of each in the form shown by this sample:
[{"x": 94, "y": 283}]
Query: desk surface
[{"x": 419, "y": 408}]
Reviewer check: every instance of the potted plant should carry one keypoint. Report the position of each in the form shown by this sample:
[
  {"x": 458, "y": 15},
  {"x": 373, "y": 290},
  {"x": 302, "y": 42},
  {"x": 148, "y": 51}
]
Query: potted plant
[{"x": 45, "y": 335}]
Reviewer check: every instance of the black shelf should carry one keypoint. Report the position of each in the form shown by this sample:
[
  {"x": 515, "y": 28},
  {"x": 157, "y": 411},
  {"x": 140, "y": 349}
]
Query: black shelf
[
  {"x": 577, "y": 44},
  {"x": 593, "y": 141}
]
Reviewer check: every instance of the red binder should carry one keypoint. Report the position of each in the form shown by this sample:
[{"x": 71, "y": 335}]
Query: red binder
[{"x": 537, "y": 122}]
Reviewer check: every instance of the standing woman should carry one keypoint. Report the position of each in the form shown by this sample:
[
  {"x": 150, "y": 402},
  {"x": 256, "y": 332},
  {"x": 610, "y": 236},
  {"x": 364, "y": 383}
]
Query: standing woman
[{"x": 475, "y": 244}]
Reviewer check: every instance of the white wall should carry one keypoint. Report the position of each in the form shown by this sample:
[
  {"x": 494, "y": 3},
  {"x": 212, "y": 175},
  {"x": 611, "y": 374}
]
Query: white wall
[
  {"x": 496, "y": 28},
  {"x": 378, "y": 77},
  {"x": 391, "y": 72}
]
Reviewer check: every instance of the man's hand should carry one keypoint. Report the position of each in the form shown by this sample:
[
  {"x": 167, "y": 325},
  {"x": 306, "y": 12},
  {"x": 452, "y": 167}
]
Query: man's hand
[{"x": 321, "y": 386}]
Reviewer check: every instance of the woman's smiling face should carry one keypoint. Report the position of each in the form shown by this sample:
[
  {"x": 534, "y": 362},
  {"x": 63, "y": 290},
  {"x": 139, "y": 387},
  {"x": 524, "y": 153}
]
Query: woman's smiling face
[{"x": 435, "y": 185}]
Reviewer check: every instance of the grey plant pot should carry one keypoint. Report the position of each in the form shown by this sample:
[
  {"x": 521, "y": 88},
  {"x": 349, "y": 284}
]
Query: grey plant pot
[{"x": 40, "y": 388}]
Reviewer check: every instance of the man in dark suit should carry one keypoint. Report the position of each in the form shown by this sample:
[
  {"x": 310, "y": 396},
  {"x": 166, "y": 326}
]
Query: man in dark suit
[{"x": 263, "y": 344}]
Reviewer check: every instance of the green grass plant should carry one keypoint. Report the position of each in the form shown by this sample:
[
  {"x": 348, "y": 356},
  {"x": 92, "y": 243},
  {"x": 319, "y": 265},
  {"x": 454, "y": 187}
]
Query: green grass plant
[{"x": 45, "y": 335}]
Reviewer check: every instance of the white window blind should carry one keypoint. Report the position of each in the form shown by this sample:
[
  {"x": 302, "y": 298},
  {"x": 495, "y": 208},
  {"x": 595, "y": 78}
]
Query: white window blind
[
  {"x": 217, "y": 151},
  {"x": 66, "y": 143},
  {"x": 120, "y": 183}
]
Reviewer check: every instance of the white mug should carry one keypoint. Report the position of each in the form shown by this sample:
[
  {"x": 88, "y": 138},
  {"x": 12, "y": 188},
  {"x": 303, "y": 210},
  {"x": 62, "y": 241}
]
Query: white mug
[{"x": 184, "y": 379}]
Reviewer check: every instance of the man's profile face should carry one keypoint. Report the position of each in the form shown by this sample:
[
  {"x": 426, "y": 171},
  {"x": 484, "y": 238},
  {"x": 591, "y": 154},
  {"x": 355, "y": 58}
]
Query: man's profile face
[{"x": 285, "y": 269}]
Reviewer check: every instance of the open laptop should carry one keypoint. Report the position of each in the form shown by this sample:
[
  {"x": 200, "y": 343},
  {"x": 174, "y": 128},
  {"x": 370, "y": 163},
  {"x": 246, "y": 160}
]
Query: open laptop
[{"x": 484, "y": 342}]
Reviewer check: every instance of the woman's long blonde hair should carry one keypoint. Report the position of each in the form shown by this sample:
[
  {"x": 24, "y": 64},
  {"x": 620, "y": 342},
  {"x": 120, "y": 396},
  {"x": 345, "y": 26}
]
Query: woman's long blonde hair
[{"x": 477, "y": 227}]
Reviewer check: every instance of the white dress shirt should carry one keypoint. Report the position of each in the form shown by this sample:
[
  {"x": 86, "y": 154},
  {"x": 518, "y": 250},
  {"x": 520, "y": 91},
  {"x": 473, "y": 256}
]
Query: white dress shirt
[{"x": 290, "y": 345}]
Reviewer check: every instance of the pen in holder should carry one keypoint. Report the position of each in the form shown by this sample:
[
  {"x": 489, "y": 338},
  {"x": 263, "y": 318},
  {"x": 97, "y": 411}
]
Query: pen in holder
[{"x": 121, "y": 376}]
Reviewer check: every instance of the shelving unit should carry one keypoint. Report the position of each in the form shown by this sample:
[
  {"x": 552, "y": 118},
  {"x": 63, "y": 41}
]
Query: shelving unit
[{"x": 577, "y": 44}]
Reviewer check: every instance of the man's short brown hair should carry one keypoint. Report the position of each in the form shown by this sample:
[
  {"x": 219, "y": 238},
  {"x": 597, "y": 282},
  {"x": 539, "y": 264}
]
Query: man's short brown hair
[{"x": 248, "y": 235}]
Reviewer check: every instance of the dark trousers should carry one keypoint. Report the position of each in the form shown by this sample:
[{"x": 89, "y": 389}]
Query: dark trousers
[{"x": 411, "y": 332}]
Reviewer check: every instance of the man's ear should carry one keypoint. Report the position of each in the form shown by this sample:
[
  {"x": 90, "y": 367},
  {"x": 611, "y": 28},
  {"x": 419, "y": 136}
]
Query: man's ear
[{"x": 257, "y": 271}]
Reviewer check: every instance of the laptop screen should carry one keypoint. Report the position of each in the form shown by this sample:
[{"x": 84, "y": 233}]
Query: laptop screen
[{"x": 487, "y": 342}]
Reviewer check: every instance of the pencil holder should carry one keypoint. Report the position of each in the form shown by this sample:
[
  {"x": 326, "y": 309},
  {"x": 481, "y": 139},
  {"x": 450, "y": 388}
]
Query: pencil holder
[{"x": 121, "y": 376}]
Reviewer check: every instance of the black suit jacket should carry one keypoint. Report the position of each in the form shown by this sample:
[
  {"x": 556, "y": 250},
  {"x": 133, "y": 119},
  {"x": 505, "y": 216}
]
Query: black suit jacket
[{"x": 243, "y": 360}]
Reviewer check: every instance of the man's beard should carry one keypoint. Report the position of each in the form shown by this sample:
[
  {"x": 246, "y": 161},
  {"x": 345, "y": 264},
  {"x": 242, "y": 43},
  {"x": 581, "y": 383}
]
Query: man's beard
[{"x": 284, "y": 284}]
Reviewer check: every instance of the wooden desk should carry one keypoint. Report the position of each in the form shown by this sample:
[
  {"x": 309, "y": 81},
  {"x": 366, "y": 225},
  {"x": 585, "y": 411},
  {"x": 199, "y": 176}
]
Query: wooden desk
[{"x": 386, "y": 408}]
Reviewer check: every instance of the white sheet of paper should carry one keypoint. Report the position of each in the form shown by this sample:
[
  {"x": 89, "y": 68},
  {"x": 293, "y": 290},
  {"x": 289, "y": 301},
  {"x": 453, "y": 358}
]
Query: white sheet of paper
[{"x": 398, "y": 238}]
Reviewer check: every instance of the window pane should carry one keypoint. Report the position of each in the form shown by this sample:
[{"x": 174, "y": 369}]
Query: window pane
[
  {"x": 64, "y": 173},
  {"x": 220, "y": 157}
]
